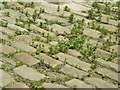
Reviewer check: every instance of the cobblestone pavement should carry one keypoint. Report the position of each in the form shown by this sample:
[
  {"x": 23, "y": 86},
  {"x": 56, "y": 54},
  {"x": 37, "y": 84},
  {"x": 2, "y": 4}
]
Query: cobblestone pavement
[{"x": 42, "y": 48}]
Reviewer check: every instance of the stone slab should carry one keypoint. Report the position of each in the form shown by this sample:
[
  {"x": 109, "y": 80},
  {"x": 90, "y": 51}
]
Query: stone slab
[
  {"x": 29, "y": 73},
  {"x": 73, "y": 71},
  {"x": 25, "y": 58},
  {"x": 5, "y": 78}
]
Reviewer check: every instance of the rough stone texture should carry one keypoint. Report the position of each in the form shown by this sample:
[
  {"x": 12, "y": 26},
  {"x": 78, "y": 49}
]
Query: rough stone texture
[
  {"x": 102, "y": 53},
  {"x": 15, "y": 27},
  {"x": 73, "y": 61},
  {"x": 91, "y": 33},
  {"x": 109, "y": 27},
  {"x": 40, "y": 30},
  {"x": 50, "y": 61},
  {"x": 40, "y": 20},
  {"x": 5, "y": 78},
  {"x": 61, "y": 38},
  {"x": 115, "y": 47},
  {"x": 26, "y": 38},
  {"x": 93, "y": 42},
  {"x": 14, "y": 5},
  {"x": 108, "y": 73},
  {"x": 99, "y": 83},
  {"x": 44, "y": 45},
  {"x": 13, "y": 13},
  {"x": 53, "y": 43},
  {"x": 29, "y": 10},
  {"x": 108, "y": 64},
  {"x": 22, "y": 46},
  {"x": 50, "y": 85},
  {"x": 33, "y": 35},
  {"x": 7, "y": 49},
  {"x": 3, "y": 36},
  {"x": 73, "y": 71},
  {"x": 59, "y": 29},
  {"x": 113, "y": 22},
  {"x": 54, "y": 18},
  {"x": 48, "y": 17},
  {"x": 75, "y": 53},
  {"x": 25, "y": 58},
  {"x": 75, "y": 83},
  {"x": 7, "y": 31},
  {"x": 18, "y": 85},
  {"x": 9, "y": 19},
  {"x": 28, "y": 73},
  {"x": 113, "y": 38},
  {"x": 8, "y": 61}
]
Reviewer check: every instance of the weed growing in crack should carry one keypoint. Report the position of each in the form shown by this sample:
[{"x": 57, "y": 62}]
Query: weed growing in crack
[
  {"x": 112, "y": 57},
  {"x": 89, "y": 50},
  {"x": 19, "y": 32},
  {"x": 6, "y": 14},
  {"x": 49, "y": 38},
  {"x": 71, "y": 18},
  {"x": 66, "y": 8},
  {"x": 6, "y": 5},
  {"x": 18, "y": 63},
  {"x": 9, "y": 55},
  {"x": 5, "y": 68},
  {"x": 63, "y": 46},
  {"x": 11, "y": 37},
  {"x": 3, "y": 23},
  {"x": 58, "y": 8},
  {"x": 31, "y": 5},
  {"x": 54, "y": 49}
]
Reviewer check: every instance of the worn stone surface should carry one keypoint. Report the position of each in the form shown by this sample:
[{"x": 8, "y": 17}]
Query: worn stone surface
[
  {"x": 22, "y": 46},
  {"x": 115, "y": 47},
  {"x": 9, "y": 19},
  {"x": 109, "y": 27},
  {"x": 108, "y": 73},
  {"x": 113, "y": 22},
  {"x": 60, "y": 38},
  {"x": 73, "y": 61},
  {"x": 25, "y": 58},
  {"x": 73, "y": 71},
  {"x": 50, "y": 85},
  {"x": 50, "y": 61},
  {"x": 15, "y": 27},
  {"x": 75, "y": 53},
  {"x": 99, "y": 83},
  {"x": 53, "y": 43},
  {"x": 102, "y": 53},
  {"x": 7, "y": 31},
  {"x": 29, "y": 10},
  {"x": 40, "y": 30},
  {"x": 7, "y": 49},
  {"x": 75, "y": 83},
  {"x": 108, "y": 64},
  {"x": 18, "y": 85},
  {"x": 113, "y": 38},
  {"x": 10, "y": 62},
  {"x": 3, "y": 36},
  {"x": 25, "y": 38},
  {"x": 93, "y": 42},
  {"x": 29, "y": 73},
  {"x": 59, "y": 29},
  {"x": 91, "y": 33},
  {"x": 5, "y": 78}
]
